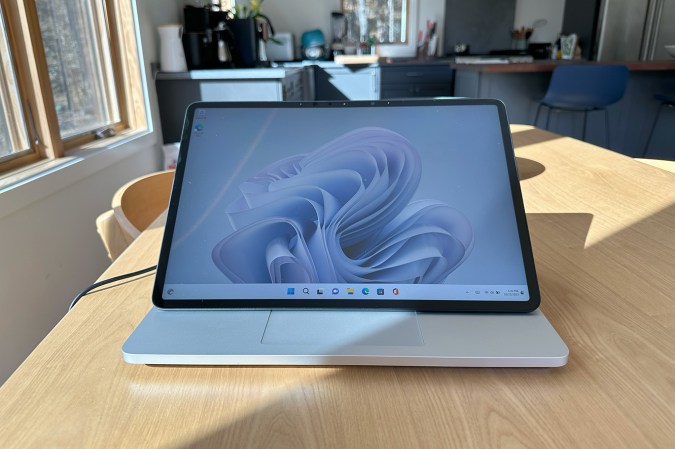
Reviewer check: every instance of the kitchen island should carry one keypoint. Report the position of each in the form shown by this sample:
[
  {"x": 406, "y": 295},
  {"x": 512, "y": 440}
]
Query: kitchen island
[
  {"x": 521, "y": 87},
  {"x": 299, "y": 81},
  {"x": 385, "y": 78},
  {"x": 176, "y": 91}
]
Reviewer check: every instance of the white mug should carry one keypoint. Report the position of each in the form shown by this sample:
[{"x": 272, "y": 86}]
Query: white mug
[{"x": 172, "y": 57}]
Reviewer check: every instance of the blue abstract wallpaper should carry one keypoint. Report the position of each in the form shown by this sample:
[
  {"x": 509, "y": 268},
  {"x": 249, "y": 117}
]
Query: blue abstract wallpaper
[{"x": 343, "y": 213}]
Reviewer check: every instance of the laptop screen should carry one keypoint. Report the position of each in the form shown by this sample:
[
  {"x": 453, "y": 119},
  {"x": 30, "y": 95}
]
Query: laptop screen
[{"x": 412, "y": 205}]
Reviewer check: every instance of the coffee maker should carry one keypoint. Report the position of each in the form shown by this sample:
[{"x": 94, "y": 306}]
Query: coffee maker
[
  {"x": 213, "y": 38},
  {"x": 207, "y": 39}
]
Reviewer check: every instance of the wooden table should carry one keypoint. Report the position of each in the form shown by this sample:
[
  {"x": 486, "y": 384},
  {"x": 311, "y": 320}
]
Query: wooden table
[{"x": 603, "y": 230}]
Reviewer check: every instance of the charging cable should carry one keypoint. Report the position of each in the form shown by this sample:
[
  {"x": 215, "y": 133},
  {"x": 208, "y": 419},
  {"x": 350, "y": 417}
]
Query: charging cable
[{"x": 98, "y": 284}]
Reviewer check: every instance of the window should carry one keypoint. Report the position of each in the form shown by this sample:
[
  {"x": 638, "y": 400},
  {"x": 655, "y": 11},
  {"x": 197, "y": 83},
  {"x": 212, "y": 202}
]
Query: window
[
  {"x": 384, "y": 20},
  {"x": 70, "y": 69},
  {"x": 13, "y": 137},
  {"x": 77, "y": 50}
]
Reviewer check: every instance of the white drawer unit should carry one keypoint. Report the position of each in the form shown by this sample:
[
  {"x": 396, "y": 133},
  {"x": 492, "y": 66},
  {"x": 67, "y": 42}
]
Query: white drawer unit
[
  {"x": 240, "y": 90},
  {"x": 175, "y": 91},
  {"x": 347, "y": 82}
]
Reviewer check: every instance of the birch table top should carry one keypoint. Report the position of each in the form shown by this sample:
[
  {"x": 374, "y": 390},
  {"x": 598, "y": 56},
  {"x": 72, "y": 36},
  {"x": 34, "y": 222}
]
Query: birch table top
[{"x": 603, "y": 232}]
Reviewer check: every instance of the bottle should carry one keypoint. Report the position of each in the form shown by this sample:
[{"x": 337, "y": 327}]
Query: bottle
[{"x": 555, "y": 50}]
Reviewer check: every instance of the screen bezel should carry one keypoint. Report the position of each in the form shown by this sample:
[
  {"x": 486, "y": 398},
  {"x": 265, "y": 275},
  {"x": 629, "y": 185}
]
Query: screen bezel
[{"x": 313, "y": 302}]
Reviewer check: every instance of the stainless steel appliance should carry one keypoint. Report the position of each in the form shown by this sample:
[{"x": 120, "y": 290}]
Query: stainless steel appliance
[{"x": 630, "y": 30}]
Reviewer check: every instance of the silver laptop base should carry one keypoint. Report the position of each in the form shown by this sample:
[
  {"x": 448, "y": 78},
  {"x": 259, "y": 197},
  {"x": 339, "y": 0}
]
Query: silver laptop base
[{"x": 344, "y": 337}]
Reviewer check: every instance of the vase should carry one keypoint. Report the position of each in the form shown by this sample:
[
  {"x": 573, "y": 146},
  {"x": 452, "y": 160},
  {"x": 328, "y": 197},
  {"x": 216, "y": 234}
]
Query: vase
[{"x": 245, "y": 42}]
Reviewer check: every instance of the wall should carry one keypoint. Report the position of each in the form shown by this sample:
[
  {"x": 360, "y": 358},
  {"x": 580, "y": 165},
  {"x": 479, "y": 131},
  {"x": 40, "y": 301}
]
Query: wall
[
  {"x": 298, "y": 16},
  {"x": 483, "y": 25},
  {"x": 581, "y": 17},
  {"x": 49, "y": 248},
  {"x": 527, "y": 11}
]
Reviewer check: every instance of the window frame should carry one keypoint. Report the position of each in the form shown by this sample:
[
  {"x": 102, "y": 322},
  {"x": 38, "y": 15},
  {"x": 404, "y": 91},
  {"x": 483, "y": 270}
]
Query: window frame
[
  {"x": 34, "y": 86},
  {"x": 404, "y": 32}
]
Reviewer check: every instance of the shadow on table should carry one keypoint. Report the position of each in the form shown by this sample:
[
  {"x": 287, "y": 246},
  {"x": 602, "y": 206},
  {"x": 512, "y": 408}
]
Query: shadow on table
[
  {"x": 528, "y": 168},
  {"x": 580, "y": 282}
]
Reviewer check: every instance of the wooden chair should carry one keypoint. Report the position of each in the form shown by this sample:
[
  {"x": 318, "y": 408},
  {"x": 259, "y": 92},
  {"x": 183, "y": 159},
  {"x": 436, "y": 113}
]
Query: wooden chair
[{"x": 134, "y": 206}]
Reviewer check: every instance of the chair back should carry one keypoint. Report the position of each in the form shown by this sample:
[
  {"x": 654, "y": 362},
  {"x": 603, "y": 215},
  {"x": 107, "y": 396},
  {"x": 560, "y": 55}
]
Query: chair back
[
  {"x": 135, "y": 206},
  {"x": 140, "y": 201},
  {"x": 586, "y": 86}
]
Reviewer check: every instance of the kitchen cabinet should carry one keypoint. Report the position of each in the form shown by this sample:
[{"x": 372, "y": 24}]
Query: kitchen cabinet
[
  {"x": 346, "y": 82},
  {"x": 175, "y": 91},
  {"x": 412, "y": 80}
]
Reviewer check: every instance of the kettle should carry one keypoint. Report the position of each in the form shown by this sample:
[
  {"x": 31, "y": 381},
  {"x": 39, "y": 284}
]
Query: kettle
[
  {"x": 172, "y": 56},
  {"x": 313, "y": 43}
]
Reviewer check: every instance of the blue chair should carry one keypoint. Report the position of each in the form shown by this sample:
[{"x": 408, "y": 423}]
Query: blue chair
[
  {"x": 584, "y": 88},
  {"x": 667, "y": 101}
]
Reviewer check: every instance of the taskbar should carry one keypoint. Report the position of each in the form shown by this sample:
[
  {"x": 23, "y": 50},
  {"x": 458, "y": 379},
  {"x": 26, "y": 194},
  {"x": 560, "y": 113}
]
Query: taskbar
[{"x": 441, "y": 292}]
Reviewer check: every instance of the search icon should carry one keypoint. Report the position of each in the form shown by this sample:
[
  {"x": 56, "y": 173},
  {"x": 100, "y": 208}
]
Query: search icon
[{"x": 305, "y": 291}]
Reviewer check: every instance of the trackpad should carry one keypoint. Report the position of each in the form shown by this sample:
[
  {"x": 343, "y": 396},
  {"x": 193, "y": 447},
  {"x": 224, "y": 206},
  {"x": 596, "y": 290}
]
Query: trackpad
[{"x": 342, "y": 327}]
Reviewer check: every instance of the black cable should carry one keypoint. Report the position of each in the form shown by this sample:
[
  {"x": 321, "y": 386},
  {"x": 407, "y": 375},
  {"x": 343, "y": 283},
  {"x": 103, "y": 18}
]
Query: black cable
[{"x": 108, "y": 281}]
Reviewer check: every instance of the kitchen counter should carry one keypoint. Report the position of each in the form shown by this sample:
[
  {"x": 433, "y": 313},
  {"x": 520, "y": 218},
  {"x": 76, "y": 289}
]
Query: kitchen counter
[
  {"x": 261, "y": 73},
  {"x": 549, "y": 65},
  {"x": 299, "y": 81},
  {"x": 522, "y": 85},
  {"x": 386, "y": 78},
  {"x": 382, "y": 62},
  {"x": 415, "y": 61}
]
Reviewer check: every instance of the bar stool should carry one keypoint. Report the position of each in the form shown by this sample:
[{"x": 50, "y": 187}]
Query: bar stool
[
  {"x": 667, "y": 101},
  {"x": 584, "y": 88}
]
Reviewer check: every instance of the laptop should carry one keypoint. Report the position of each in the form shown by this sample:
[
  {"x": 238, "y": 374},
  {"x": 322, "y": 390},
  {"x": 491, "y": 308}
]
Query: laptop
[{"x": 346, "y": 233}]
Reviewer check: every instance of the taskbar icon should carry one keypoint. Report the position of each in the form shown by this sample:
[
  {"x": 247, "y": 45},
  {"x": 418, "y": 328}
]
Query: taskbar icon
[{"x": 350, "y": 291}]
